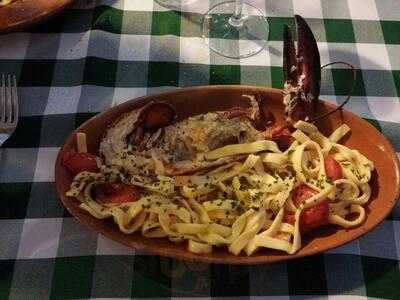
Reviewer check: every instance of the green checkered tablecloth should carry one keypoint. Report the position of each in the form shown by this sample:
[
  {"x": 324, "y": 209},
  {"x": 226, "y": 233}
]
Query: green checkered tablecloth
[{"x": 101, "y": 53}]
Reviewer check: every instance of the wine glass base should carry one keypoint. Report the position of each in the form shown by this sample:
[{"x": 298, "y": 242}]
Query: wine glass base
[
  {"x": 174, "y": 4},
  {"x": 235, "y": 38}
]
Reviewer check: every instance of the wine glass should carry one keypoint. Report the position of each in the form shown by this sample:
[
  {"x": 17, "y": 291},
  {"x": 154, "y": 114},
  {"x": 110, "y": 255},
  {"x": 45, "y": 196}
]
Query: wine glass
[{"x": 235, "y": 29}]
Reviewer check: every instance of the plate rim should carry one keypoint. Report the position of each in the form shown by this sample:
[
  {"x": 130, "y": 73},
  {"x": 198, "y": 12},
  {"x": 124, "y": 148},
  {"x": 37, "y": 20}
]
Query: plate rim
[
  {"x": 242, "y": 260},
  {"x": 36, "y": 14}
]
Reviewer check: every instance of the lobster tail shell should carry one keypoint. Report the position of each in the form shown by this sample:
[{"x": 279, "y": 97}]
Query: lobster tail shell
[
  {"x": 289, "y": 55},
  {"x": 302, "y": 71},
  {"x": 310, "y": 62}
]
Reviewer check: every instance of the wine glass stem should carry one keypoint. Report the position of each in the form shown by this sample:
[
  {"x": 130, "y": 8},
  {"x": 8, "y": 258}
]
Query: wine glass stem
[{"x": 236, "y": 18}]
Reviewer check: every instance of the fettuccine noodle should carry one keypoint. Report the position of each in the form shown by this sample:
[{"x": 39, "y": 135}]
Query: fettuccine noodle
[
  {"x": 241, "y": 205},
  {"x": 5, "y": 2}
]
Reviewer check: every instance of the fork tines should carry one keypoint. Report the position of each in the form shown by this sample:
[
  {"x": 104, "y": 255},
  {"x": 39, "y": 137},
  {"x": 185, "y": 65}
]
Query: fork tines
[{"x": 8, "y": 101}]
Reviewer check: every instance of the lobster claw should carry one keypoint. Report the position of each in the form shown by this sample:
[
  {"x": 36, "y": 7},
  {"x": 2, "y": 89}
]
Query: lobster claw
[{"x": 302, "y": 73}]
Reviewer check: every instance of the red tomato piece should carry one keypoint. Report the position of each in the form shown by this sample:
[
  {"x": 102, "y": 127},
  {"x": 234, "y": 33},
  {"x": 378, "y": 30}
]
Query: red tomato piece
[
  {"x": 333, "y": 168},
  {"x": 312, "y": 217},
  {"x": 301, "y": 194},
  {"x": 116, "y": 193},
  {"x": 315, "y": 216},
  {"x": 79, "y": 162}
]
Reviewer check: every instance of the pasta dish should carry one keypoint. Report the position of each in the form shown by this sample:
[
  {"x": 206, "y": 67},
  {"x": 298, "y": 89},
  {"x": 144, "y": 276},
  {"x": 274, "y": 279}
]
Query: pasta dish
[{"x": 230, "y": 185}]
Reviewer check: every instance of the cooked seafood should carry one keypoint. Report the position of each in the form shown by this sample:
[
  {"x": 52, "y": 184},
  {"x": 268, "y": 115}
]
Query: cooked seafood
[
  {"x": 179, "y": 145},
  {"x": 302, "y": 72}
]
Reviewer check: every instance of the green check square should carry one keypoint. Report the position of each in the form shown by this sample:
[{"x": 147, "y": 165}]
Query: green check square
[
  {"x": 54, "y": 25},
  {"x": 381, "y": 277},
  {"x": 163, "y": 74},
  {"x": 391, "y": 31},
  {"x": 99, "y": 71},
  {"x": 237, "y": 286},
  {"x": 339, "y": 31},
  {"x": 277, "y": 77},
  {"x": 6, "y": 275},
  {"x": 225, "y": 74},
  {"x": 37, "y": 72},
  {"x": 131, "y": 74},
  {"x": 342, "y": 79},
  {"x": 194, "y": 74},
  {"x": 14, "y": 199},
  {"x": 152, "y": 276},
  {"x": 108, "y": 19},
  {"x": 166, "y": 22},
  {"x": 43, "y": 201},
  {"x": 72, "y": 277},
  {"x": 81, "y": 118},
  {"x": 276, "y": 27},
  {"x": 145, "y": 287},
  {"x": 68, "y": 72},
  {"x": 313, "y": 279},
  {"x": 27, "y": 134}
]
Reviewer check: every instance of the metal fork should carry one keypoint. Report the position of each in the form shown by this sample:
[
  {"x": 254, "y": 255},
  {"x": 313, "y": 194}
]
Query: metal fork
[{"x": 8, "y": 107}]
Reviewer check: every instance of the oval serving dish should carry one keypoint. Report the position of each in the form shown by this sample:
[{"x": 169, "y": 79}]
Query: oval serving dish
[{"x": 364, "y": 137}]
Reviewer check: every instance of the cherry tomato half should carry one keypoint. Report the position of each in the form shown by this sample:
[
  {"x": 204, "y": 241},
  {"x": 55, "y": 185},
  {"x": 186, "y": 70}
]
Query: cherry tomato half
[
  {"x": 301, "y": 194},
  {"x": 332, "y": 168},
  {"x": 79, "y": 162},
  {"x": 116, "y": 193},
  {"x": 312, "y": 217}
]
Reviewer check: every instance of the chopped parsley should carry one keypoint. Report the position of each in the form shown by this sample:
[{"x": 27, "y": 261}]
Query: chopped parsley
[{"x": 258, "y": 195}]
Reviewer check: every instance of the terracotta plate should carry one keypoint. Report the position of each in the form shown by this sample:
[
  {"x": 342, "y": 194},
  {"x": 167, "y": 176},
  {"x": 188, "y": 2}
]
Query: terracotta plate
[
  {"x": 364, "y": 137},
  {"x": 23, "y": 13}
]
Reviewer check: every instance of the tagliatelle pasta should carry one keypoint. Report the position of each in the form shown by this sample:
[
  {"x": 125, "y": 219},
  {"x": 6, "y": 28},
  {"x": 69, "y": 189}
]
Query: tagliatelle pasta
[
  {"x": 5, "y": 2},
  {"x": 242, "y": 205}
]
